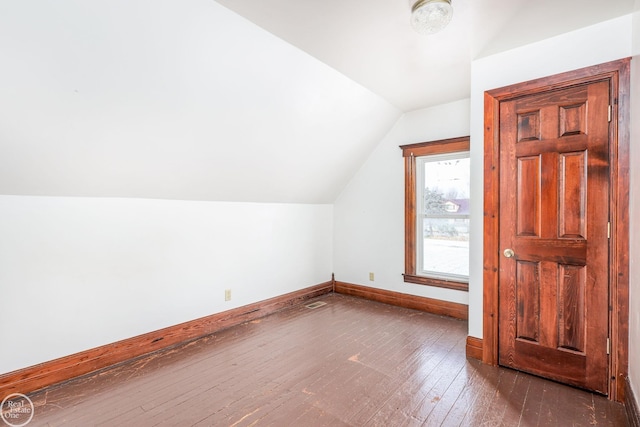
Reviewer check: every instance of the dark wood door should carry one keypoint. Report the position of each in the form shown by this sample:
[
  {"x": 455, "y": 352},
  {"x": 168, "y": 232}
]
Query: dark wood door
[{"x": 554, "y": 198}]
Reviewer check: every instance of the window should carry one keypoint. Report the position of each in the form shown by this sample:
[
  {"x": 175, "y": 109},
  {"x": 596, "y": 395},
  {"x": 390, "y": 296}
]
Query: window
[{"x": 437, "y": 180}]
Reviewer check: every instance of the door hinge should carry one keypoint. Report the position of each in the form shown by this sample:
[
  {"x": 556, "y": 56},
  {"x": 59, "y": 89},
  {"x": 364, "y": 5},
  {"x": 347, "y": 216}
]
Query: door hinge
[
  {"x": 609, "y": 230},
  {"x": 608, "y": 346},
  {"x": 609, "y": 114}
]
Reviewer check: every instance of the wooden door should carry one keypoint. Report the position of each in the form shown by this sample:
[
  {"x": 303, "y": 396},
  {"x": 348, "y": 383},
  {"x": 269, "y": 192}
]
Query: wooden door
[{"x": 554, "y": 198}]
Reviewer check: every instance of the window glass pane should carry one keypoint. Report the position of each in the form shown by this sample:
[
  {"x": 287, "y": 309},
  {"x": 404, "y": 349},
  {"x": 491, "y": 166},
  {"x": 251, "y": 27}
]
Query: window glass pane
[
  {"x": 447, "y": 177},
  {"x": 443, "y": 216},
  {"x": 446, "y": 246}
]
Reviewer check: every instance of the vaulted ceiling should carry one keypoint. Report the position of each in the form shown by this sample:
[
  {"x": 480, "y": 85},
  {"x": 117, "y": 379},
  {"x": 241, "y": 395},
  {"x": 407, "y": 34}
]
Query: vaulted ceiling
[{"x": 239, "y": 100}]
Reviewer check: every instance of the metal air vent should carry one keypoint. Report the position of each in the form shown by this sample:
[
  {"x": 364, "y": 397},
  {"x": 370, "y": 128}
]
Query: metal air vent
[{"x": 316, "y": 304}]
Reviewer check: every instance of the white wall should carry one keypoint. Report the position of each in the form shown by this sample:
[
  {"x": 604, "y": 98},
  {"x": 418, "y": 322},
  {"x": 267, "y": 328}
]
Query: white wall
[
  {"x": 634, "y": 252},
  {"x": 607, "y": 41},
  {"x": 76, "y": 273},
  {"x": 369, "y": 213}
]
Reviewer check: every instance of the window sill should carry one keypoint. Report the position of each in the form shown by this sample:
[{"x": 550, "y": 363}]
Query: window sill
[{"x": 429, "y": 281}]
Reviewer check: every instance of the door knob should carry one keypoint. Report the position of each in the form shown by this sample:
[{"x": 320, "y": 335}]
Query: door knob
[{"x": 509, "y": 253}]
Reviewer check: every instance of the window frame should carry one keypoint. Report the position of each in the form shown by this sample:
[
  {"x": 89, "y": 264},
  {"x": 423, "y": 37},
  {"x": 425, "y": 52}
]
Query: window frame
[{"x": 410, "y": 152}]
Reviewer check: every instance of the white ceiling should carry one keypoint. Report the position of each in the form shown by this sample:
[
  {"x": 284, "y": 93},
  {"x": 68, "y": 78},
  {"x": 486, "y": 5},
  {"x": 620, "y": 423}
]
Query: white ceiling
[
  {"x": 189, "y": 100},
  {"x": 371, "y": 41}
]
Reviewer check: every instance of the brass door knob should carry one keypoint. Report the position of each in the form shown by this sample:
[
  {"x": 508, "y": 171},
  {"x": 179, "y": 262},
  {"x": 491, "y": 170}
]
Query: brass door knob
[{"x": 509, "y": 253}]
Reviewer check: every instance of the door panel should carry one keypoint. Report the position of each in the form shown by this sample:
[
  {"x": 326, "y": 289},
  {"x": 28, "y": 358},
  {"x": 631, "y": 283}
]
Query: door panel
[
  {"x": 528, "y": 196},
  {"x": 573, "y": 198},
  {"x": 528, "y": 298},
  {"x": 554, "y": 193},
  {"x": 571, "y": 305}
]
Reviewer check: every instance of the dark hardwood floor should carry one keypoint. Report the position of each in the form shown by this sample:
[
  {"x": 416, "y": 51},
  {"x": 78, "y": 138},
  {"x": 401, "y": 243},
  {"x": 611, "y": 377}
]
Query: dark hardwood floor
[{"x": 350, "y": 362}]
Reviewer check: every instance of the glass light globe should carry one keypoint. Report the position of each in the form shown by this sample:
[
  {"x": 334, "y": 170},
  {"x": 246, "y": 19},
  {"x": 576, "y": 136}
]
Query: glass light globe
[{"x": 431, "y": 16}]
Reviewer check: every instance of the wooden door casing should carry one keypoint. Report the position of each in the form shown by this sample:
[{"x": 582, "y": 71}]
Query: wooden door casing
[
  {"x": 617, "y": 74},
  {"x": 553, "y": 314}
]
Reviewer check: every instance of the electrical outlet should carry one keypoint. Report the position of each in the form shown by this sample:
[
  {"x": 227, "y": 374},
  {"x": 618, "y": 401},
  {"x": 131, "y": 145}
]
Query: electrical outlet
[
  {"x": 371, "y": 277},
  {"x": 227, "y": 294}
]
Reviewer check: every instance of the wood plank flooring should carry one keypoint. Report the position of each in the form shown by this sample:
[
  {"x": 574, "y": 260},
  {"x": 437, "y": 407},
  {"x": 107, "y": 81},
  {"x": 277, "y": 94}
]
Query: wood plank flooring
[{"x": 350, "y": 362}]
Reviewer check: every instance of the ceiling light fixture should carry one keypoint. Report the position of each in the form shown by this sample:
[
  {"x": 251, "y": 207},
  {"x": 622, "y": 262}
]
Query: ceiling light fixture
[{"x": 430, "y": 16}]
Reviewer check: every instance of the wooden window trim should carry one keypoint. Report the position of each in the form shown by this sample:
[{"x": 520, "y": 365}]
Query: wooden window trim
[{"x": 410, "y": 152}]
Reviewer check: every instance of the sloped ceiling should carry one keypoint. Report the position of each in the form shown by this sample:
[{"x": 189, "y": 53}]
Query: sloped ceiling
[
  {"x": 238, "y": 100},
  {"x": 172, "y": 99}
]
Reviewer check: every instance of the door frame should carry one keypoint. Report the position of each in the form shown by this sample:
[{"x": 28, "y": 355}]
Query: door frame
[{"x": 617, "y": 73}]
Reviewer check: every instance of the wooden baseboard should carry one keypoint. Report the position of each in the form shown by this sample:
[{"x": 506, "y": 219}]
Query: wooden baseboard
[
  {"x": 56, "y": 371},
  {"x": 631, "y": 405},
  {"x": 474, "y": 347},
  {"x": 444, "y": 308}
]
